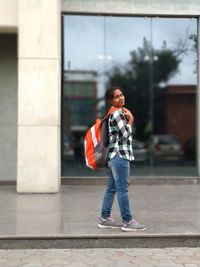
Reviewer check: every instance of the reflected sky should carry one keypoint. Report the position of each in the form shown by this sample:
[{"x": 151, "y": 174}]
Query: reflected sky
[{"x": 99, "y": 43}]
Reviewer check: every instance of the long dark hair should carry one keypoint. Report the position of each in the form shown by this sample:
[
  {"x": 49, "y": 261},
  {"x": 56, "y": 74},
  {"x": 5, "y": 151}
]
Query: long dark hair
[{"x": 109, "y": 94}]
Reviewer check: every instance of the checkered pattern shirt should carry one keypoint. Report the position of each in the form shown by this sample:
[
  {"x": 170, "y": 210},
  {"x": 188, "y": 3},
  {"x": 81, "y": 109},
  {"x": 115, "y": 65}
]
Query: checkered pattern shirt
[{"x": 120, "y": 134}]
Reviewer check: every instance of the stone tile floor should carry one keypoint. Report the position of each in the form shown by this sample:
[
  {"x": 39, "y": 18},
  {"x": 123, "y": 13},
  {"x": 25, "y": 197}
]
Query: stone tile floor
[
  {"x": 138, "y": 257},
  {"x": 74, "y": 211}
]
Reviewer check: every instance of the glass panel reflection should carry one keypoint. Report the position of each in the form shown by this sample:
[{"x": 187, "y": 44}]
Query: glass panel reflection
[
  {"x": 154, "y": 61},
  {"x": 130, "y": 69},
  {"x": 83, "y": 88},
  {"x": 174, "y": 119}
]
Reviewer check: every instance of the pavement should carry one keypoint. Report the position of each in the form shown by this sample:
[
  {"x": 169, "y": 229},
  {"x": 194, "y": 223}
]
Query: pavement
[{"x": 137, "y": 257}]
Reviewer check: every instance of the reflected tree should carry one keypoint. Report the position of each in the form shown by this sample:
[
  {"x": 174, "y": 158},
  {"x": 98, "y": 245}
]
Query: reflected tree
[
  {"x": 193, "y": 38},
  {"x": 142, "y": 76}
]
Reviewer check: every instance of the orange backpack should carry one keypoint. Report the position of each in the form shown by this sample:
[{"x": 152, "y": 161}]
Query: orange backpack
[{"x": 96, "y": 143}]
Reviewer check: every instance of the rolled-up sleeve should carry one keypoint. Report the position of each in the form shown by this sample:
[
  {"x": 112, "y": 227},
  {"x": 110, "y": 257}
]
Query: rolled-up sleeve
[{"x": 119, "y": 122}]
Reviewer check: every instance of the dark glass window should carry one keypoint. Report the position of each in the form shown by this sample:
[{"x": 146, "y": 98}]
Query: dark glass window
[{"x": 154, "y": 61}]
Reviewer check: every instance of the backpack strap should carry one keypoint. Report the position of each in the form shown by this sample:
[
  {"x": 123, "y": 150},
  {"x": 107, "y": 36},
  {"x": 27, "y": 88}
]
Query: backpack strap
[{"x": 111, "y": 110}]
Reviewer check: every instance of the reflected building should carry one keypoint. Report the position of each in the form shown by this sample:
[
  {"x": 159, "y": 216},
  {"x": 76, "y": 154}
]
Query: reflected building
[
  {"x": 79, "y": 99},
  {"x": 180, "y": 111},
  {"x": 78, "y": 110}
]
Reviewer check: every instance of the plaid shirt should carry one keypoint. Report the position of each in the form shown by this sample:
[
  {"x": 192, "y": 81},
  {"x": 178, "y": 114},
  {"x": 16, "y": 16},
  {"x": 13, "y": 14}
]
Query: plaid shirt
[{"x": 122, "y": 142}]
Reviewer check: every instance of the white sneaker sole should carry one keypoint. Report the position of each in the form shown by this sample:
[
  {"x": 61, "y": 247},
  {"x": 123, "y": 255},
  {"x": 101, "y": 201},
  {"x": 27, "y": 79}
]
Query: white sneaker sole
[
  {"x": 108, "y": 227},
  {"x": 132, "y": 229}
]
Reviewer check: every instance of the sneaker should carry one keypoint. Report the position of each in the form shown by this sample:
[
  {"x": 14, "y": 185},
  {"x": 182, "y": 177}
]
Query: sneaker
[
  {"x": 108, "y": 223},
  {"x": 133, "y": 226}
]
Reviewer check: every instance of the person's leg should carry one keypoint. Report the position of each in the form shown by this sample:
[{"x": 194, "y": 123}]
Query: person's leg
[
  {"x": 105, "y": 220},
  {"x": 108, "y": 197},
  {"x": 121, "y": 171}
]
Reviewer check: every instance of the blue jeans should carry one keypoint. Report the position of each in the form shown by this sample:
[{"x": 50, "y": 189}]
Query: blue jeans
[{"x": 117, "y": 183}]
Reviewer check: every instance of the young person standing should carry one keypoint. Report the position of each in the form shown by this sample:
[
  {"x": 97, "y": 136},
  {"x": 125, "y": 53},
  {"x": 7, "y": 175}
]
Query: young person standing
[{"x": 119, "y": 157}]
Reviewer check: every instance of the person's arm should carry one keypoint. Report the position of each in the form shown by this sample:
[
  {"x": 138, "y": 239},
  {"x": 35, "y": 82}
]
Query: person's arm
[
  {"x": 129, "y": 116},
  {"x": 123, "y": 127}
]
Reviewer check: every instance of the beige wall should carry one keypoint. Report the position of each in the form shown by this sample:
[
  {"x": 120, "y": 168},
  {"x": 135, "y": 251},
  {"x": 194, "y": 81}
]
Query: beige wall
[
  {"x": 8, "y": 15},
  {"x": 134, "y": 7},
  {"x": 8, "y": 106},
  {"x": 9, "y": 9}
]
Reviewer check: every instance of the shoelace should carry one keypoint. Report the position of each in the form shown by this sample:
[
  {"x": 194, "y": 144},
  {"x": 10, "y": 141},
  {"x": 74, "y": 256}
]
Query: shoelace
[
  {"x": 132, "y": 221},
  {"x": 109, "y": 219}
]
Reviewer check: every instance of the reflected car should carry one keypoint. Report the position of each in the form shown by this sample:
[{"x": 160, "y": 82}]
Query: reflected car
[
  {"x": 68, "y": 152},
  {"x": 167, "y": 147},
  {"x": 190, "y": 149},
  {"x": 140, "y": 150}
]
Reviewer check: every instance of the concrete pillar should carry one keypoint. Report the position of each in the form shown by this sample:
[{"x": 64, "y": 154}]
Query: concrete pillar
[{"x": 38, "y": 159}]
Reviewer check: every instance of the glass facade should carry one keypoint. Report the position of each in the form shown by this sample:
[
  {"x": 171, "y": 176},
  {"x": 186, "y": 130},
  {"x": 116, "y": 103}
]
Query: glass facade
[{"x": 154, "y": 61}]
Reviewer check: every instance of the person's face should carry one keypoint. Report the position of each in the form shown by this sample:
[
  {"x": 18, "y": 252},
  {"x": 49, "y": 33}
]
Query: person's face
[{"x": 118, "y": 99}]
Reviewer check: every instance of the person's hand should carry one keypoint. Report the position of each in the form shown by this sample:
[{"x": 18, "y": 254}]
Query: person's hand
[{"x": 128, "y": 115}]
